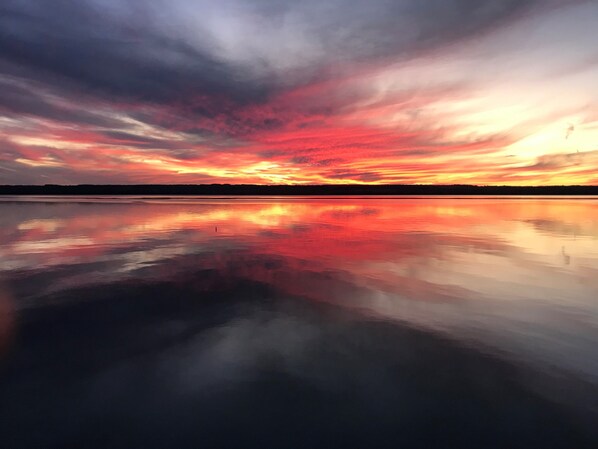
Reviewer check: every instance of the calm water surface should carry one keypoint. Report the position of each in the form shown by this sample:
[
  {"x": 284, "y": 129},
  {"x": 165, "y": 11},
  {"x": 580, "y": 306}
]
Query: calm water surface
[{"x": 297, "y": 322}]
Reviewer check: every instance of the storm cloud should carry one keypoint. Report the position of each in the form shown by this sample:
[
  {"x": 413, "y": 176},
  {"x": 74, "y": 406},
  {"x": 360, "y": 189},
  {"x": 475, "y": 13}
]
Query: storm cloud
[{"x": 165, "y": 51}]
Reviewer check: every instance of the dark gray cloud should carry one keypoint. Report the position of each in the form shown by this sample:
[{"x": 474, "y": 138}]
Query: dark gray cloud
[
  {"x": 354, "y": 174},
  {"x": 76, "y": 44},
  {"x": 153, "y": 51},
  {"x": 314, "y": 162},
  {"x": 136, "y": 141},
  {"x": 19, "y": 100}
]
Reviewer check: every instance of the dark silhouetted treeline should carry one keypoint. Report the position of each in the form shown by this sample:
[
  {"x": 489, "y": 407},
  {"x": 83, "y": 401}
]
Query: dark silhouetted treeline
[{"x": 248, "y": 189}]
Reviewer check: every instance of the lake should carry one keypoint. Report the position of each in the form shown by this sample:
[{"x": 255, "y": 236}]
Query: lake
[{"x": 299, "y": 322}]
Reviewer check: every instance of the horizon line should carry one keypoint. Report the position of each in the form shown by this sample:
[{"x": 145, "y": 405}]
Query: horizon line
[{"x": 349, "y": 185}]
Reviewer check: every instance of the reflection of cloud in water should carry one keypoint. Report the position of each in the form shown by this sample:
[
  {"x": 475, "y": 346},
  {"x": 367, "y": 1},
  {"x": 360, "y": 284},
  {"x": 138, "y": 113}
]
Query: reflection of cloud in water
[
  {"x": 7, "y": 320},
  {"x": 347, "y": 213},
  {"x": 565, "y": 228},
  {"x": 376, "y": 312},
  {"x": 45, "y": 225},
  {"x": 242, "y": 365}
]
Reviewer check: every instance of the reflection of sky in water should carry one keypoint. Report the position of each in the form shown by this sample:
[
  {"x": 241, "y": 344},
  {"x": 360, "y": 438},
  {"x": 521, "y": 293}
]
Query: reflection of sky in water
[
  {"x": 518, "y": 273},
  {"x": 513, "y": 277}
]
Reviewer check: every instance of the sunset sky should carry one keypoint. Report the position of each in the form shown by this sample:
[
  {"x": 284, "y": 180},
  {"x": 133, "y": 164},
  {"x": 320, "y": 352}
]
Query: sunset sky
[{"x": 311, "y": 91}]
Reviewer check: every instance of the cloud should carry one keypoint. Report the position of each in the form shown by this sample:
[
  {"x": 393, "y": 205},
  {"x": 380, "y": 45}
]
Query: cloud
[
  {"x": 21, "y": 99},
  {"x": 125, "y": 50},
  {"x": 563, "y": 160},
  {"x": 242, "y": 91},
  {"x": 354, "y": 175}
]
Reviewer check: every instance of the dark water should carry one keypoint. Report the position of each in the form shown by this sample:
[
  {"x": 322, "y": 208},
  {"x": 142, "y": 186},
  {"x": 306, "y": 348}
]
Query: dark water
[{"x": 299, "y": 323}]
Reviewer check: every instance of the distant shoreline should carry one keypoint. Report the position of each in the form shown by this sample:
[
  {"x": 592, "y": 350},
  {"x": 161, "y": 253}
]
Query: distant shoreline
[{"x": 294, "y": 190}]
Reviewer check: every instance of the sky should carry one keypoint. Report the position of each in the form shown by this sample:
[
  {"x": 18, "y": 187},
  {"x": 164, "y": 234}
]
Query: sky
[{"x": 295, "y": 92}]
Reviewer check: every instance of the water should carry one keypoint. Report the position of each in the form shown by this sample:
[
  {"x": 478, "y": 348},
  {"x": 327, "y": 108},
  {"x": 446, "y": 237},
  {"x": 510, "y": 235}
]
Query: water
[{"x": 297, "y": 322}]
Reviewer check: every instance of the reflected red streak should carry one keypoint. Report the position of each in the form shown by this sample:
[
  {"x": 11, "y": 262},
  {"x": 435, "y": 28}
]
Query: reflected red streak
[
  {"x": 352, "y": 232},
  {"x": 380, "y": 244}
]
